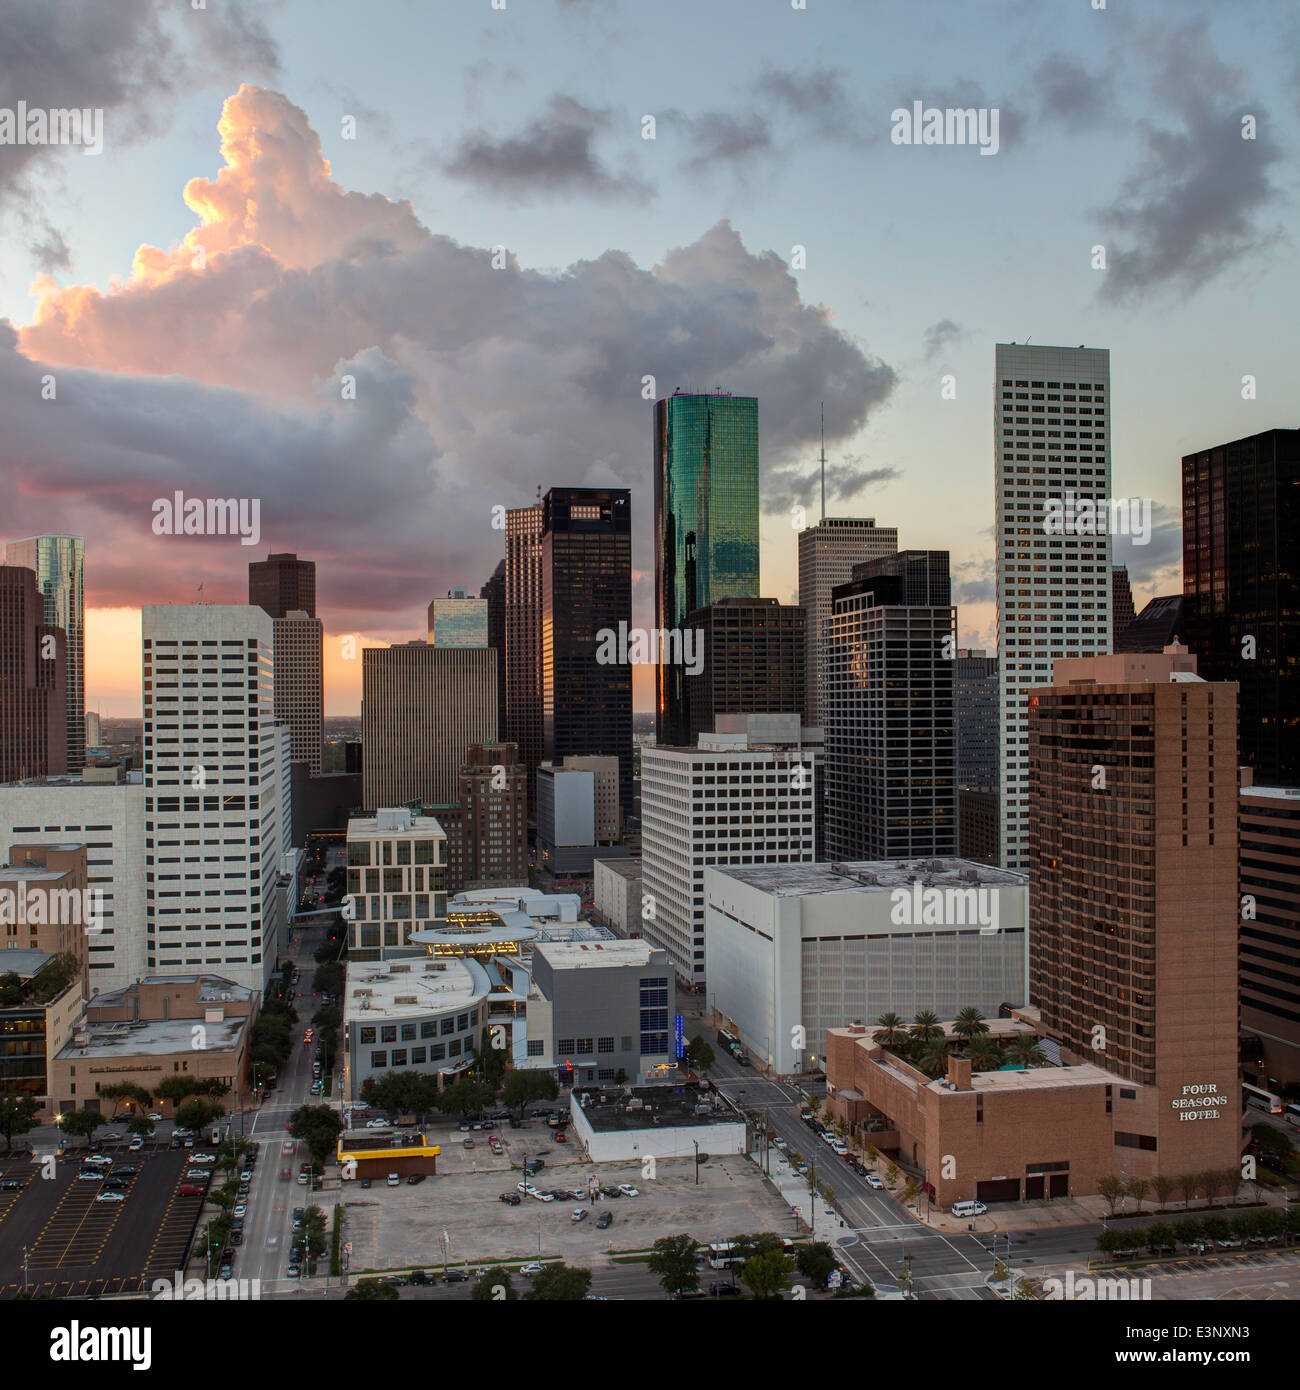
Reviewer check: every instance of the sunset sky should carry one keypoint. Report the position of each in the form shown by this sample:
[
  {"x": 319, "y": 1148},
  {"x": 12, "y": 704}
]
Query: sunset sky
[{"x": 199, "y": 290}]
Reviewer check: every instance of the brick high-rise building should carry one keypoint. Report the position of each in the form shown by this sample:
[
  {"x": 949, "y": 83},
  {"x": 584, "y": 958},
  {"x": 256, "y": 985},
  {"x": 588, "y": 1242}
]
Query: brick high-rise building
[
  {"x": 58, "y": 563},
  {"x": 1241, "y": 516},
  {"x": 33, "y": 681},
  {"x": 300, "y": 685},
  {"x": 586, "y": 593},
  {"x": 1051, "y": 446},
  {"x": 523, "y": 580},
  {"x": 1133, "y": 896},
  {"x": 421, "y": 708},
  {"x": 490, "y": 848},
  {"x": 827, "y": 554},
  {"x": 283, "y": 584},
  {"x": 753, "y": 652}
]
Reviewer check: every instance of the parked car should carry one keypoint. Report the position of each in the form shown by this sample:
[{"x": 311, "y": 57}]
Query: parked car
[
  {"x": 128, "y": 1170},
  {"x": 418, "y": 1276},
  {"x": 414, "y": 1179},
  {"x": 240, "y": 1209},
  {"x": 580, "y": 1215},
  {"x": 511, "y": 1199},
  {"x": 112, "y": 1136},
  {"x": 455, "y": 1276},
  {"x": 720, "y": 1290},
  {"x": 90, "y": 1175},
  {"x": 136, "y": 1144},
  {"x": 110, "y": 1197},
  {"x": 559, "y": 1136},
  {"x": 285, "y": 1174},
  {"x": 189, "y": 1190},
  {"x": 204, "y": 1158},
  {"x": 541, "y": 1196},
  {"x": 377, "y": 1124},
  {"x": 293, "y": 1271},
  {"x": 237, "y": 1237},
  {"x": 469, "y": 1141},
  {"x": 246, "y": 1175},
  {"x": 495, "y": 1145},
  {"x": 531, "y": 1268},
  {"x": 606, "y": 1218},
  {"x": 155, "y": 1115},
  {"x": 12, "y": 1185},
  {"x": 874, "y": 1181},
  {"x": 394, "y": 1180},
  {"x": 115, "y": 1184},
  {"x": 365, "y": 1182},
  {"x": 628, "y": 1190}
]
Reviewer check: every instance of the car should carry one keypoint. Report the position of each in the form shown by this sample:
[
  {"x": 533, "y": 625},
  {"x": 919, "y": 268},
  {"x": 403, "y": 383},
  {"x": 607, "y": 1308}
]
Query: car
[
  {"x": 136, "y": 1144},
  {"x": 184, "y": 1133},
  {"x": 742, "y": 1060},
  {"x": 109, "y": 1197},
  {"x": 606, "y": 1218},
  {"x": 112, "y": 1135},
  {"x": 628, "y": 1190},
  {"x": 377, "y": 1124},
  {"x": 580, "y": 1215},
  {"x": 175, "y": 1141},
  {"x": 874, "y": 1182},
  {"x": 90, "y": 1175},
  {"x": 12, "y": 1185},
  {"x": 541, "y": 1196},
  {"x": 287, "y": 1147},
  {"x": 243, "y": 1189},
  {"x": 561, "y": 1194},
  {"x": 304, "y": 1178},
  {"x": 1232, "y": 1243},
  {"x": 464, "y": 1126},
  {"x": 394, "y": 1180},
  {"x": 720, "y": 1290},
  {"x": 511, "y": 1199},
  {"x": 531, "y": 1268},
  {"x": 495, "y": 1145},
  {"x": 189, "y": 1143},
  {"x": 469, "y": 1141},
  {"x": 488, "y": 1124},
  {"x": 365, "y": 1182},
  {"x": 969, "y": 1208},
  {"x": 299, "y": 1213},
  {"x": 246, "y": 1175},
  {"x": 414, "y": 1179},
  {"x": 115, "y": 1184},
  {"x": 189, "y": 1189},
  {"x": 418, "y": 1276},
  {"x": 226, "y": 1270},
  {"x": 128, "y": 1170},
  {"x": 197, "y": 1175},
  {"x": 237, "y": 1237},
  {"x": 273, "y": 1242},
  {"x": 155, "y": 1115},
  {"x": 610, "y": 1194},
  {"x": 293, "y": 1271},
  {"x": 240, "y": 1209},
  {"x": 558, "y": 1136},
  {"x": 285, "y": 1175},
  {"x": 534, "y": 1165},
  {"x": 455, "y": 1276},
  {"x": 779, "y": 1143},
  {"x": 204, "y": 1158}
]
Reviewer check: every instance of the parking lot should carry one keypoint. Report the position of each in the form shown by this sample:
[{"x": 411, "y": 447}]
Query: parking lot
[
  {"x": 77, "y": 1246},
  {"x": 394, "y": 1228}
]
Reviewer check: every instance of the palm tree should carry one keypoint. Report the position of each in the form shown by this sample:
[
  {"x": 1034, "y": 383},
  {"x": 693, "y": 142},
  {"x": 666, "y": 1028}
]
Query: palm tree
[
  {"x": 890, "y": 1031},
  {"x": 926, "y": 1025},
  {"x": 983, "y": 1053},
  {"x": 1025, "y": 1052},
  {"x": 934, "y": 1061},
  {"x": 969, "y": 1021}
]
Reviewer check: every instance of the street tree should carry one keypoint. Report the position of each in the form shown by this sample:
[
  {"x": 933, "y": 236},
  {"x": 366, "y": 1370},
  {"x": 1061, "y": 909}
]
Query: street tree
[
  {"x": 560, "y": 1283},
  {"x": 768, "y": 1274},
  {"x": 673, "y": 1261}
]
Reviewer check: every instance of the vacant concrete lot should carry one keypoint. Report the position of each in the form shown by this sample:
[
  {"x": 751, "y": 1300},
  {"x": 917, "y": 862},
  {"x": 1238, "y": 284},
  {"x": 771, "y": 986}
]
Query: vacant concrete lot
[{"x": 401, "y": 1227}]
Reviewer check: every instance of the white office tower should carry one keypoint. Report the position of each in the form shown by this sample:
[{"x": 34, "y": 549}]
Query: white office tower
[
  {"x": 745, "y": 795},
  {"x": 827, "y": 554},
  {"x": 1051, "y": 454},
  {"x": 214, "y": 801}
]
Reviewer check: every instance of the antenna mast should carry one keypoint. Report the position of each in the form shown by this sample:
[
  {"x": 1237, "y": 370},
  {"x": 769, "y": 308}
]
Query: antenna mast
[{"x": 823, "y": 419}]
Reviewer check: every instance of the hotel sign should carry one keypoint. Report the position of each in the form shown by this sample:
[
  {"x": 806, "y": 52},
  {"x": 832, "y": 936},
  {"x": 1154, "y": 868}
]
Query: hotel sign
[{"x": 1199, "y": 1102}]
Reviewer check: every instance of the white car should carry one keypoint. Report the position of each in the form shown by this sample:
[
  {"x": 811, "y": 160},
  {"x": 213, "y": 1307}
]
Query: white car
[
  {"x": 241, "y": 1209},
  {"x": 531, "y": 1268},
  {"x": 203, "y": 1158},
  {"x": 874, "y": 1181},
  {"x": 377, "y": 1124},
  {"x": 109, "y": 1197},
  {"x": 541, "y": 1196},
  {"x": 91, "y": 1175},
  {"x": 155, "y": 1115},
  {"x": 136, "y": 1144},
  {"x": 628, "y": 1190},
  {"x": 840, "y": 1147},
  {"x": 779, "y": 1143},
  {"x": 113, "y": 1134}
]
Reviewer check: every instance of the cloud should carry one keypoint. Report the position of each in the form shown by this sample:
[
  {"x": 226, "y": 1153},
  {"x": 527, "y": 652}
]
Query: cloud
[
  {"x": 554, "y": 156},
  {"x": 1066, "y": 92},
  {"x": 217, "y": 366},
  {"x": 719, "y": 139},
  {"x": 939, "y": 335},
  {"x": 1194, "y": 206},
  {"x": 1158, "y": 565},
  {"x": 820, "y": 97},
  {"x": 973, "y": 581},
  {"x": 785, "y": 486}
]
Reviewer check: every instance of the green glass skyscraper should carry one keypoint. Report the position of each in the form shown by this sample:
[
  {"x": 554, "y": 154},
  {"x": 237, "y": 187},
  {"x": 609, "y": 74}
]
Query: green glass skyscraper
[{"x": 706, "y": 523}]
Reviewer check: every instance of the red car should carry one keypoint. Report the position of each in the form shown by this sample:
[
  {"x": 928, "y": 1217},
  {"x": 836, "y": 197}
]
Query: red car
[
  {"x": 559, "y": 1136},
  {"x": 189, "y": 1190},
  {"x": 285, "y": 1175}
]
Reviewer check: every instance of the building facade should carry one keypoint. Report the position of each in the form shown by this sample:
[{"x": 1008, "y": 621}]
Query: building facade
[
  {"x": 397, "y": 867},
  {"x": 33, "y": 681},
  {"x": 523, "y": 580},
  {"x": 705, "y": 522},
  {"x": 586, "y": 592},
  {"x": 891, "y": 787},
  {"x": 283, "y": 584},
  {"x": 421, "y": 708},
  {"x": 1241, "y": 516},
  {"x": 494, "y": 591},
  {"x": 1051, "y": 446},
  {"x": 300, "y": 685},
  {"x": 827, "y": 555},
  {"x": 458, "y": 620},
  {"x": 58, "y": 563},
  {"x": 616, "y": 895}
]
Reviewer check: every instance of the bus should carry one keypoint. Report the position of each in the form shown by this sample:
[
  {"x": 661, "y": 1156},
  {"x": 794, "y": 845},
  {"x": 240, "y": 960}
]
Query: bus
[
  {"x": 1292, "y": 1113},
  {"x": 722, "y": 1255},
  {"x": 727, "y": 1038},
  {"x": 1259, "y": 1099}
]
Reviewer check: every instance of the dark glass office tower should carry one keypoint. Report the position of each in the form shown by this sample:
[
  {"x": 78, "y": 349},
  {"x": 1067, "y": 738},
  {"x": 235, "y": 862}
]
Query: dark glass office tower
[
  {"x": 495, "y": 593},
  {"x": 586, "y": 596},
  {"x": 1241, "y": 585},
  {"x": 283, "y": 584},
  {"x": 706, "y": 522},
  {"x": 58, "y": 563}
]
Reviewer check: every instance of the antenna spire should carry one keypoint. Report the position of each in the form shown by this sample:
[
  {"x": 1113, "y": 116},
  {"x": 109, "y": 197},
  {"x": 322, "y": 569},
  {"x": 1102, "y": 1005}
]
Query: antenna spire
[{"x": 823, "y": 420}]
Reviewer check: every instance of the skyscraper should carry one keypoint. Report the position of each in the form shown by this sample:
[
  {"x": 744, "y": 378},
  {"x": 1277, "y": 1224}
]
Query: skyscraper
[
  {"x": 495, "y": 593},
  {"x": 752, "y": 653},
  {"x": 827, "y": 554},
  {"x": 1122, "y": 612},
  {"x": 33, "y": 681},
  {"x": 975, "y": 712},
  {"x": 524, "y": 637},
  {"x": 706, "y": 522},
  {"x": 58, "y": 562},
  {"x": 1241, "y": 580},
  {"x": 217, "y": 800},
  {"x": 283, "y": 584},
  {"x": 458, "y": 620},
  {"x": 421, "y": 709},
  {"x": 1051, "y": 446},
  {"x": 586, "y": 593},
  {"x": 891, "y": 789},
  {"x": 1132, "y": 854},
  {"x": 300, "y": 685}
]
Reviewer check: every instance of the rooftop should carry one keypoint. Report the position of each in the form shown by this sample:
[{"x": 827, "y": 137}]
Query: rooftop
[
  {"x": 384, "y": 989},
  {"x": 592, "y": 955},
  {"x": 388, "y": 823},
  {"x": 140, "y": 1039},
  {"x": 625, "y": 868},
  {"x": 213, "y": 989},
  {"x": 654, "y": 1107},
  {"x": 791, "y": 880},
  {"x": 24, "y": 963}
]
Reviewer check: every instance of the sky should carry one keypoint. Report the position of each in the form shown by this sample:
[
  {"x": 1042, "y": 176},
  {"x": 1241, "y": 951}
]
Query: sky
[{"x": 387, "y": 268}]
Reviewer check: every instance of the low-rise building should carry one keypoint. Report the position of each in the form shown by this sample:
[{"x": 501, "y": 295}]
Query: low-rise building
[
  {"x": 40, "y": 1004},
  {"x": 616, "y": 893},
  {"x": 664, "y": 1121},
  {"x": 796, "y": 950},
  {"x": 397, "y": 864},
  {"x": 371, "y": 1153}
]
